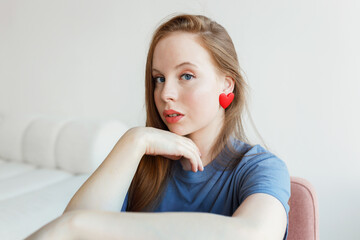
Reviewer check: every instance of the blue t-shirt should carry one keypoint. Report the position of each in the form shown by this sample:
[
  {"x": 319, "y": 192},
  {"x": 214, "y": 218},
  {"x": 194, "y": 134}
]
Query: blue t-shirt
[{"x": 221, "y": 191}]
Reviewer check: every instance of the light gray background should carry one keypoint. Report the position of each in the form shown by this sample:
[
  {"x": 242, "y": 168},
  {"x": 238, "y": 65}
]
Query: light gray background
[{"x": 301, "y": 59}]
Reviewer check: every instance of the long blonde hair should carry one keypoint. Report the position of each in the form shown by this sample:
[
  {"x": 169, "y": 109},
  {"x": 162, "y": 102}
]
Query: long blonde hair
[{"x": 153, "y": 171}]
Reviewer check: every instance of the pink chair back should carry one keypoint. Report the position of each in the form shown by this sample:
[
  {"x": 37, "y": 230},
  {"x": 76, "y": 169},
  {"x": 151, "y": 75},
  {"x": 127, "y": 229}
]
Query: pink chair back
[{"x": 303, "y": 215}]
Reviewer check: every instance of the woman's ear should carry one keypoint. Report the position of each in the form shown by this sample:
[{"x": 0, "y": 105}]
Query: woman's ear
[{"x": 228, "y": 85}]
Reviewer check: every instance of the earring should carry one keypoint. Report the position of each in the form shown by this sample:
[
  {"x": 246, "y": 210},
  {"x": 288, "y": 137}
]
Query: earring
[{"x": 226, "y": 100}]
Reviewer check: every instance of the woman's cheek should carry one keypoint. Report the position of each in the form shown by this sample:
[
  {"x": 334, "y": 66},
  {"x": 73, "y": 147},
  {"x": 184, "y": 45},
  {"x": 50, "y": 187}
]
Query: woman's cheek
[{"x": 202, "y": 102}]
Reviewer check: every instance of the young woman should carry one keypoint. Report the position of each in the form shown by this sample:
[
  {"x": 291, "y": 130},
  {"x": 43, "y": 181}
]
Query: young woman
[{"x": 191, "y": 162}]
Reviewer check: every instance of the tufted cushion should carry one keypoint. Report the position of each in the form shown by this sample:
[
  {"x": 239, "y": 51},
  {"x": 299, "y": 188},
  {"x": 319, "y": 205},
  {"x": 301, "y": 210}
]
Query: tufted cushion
[
  {"x": 73, "y": 145},
  {"x": 12, "y": 129},
  {"x": 82, "y": 145},
  {"x": 29, "y": 181},
  {"x": 13, "y": 169},
  {"x": 23, "y": 214},
  {"x": 39, "y": 141}
]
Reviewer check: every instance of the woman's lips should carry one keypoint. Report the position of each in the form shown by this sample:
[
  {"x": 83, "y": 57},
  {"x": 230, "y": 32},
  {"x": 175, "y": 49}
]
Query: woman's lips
[
  {"x": 174, "y": 119},
  {"x": 169, "y": 112}
]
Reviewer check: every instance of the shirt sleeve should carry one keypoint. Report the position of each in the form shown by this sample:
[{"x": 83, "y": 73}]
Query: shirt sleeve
[
  {"x": 265, "y": 173},
  {"x": 124, "y": 206}
]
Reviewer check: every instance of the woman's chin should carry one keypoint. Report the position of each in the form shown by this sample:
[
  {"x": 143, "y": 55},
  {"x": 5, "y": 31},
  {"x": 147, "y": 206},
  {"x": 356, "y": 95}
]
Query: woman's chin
[{"x": 178, "y": 131}]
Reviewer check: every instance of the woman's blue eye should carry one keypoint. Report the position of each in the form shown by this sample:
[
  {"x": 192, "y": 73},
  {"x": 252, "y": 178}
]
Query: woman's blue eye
[
  {"x": 158, "y": 79},
  {"x": 187, "y": 76}
]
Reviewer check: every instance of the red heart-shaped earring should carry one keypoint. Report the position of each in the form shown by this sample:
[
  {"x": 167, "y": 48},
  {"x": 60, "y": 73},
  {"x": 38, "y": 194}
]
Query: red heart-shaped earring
[{"x": 226, "y": 100}]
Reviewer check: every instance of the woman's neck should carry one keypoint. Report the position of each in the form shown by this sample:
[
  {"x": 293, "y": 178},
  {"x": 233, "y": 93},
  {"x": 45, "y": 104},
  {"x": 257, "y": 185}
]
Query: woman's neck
[{"x": 205, "y": 138}]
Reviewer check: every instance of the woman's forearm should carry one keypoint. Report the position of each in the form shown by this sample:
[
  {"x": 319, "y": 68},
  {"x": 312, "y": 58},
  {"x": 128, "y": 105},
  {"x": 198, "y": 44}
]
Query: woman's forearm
[
  {"x": 166, "y": 225},
  {"x": 106, "y": 188}
]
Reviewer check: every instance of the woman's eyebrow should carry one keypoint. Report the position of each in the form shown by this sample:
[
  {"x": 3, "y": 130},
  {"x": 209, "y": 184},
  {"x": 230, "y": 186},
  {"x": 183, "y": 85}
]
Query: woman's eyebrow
[
  {"x": 179, "y": 65},
  {"x": 185, "y": 63}
]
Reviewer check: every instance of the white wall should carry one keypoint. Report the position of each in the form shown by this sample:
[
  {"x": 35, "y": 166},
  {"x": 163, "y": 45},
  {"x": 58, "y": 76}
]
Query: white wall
[{"x": 301, "y": 59}]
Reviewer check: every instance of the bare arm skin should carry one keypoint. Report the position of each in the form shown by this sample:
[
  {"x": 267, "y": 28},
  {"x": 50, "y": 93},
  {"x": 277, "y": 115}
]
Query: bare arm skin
[
  {"x": 97, "y": 224},
  {"x": 93, "y": 225},
  {"x": 260, "y": 216},
  {"x": 106, "y": 188}
]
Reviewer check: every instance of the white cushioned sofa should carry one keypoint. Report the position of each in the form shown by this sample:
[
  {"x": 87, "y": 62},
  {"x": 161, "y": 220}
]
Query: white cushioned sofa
[{"x": 43, "y": 162}]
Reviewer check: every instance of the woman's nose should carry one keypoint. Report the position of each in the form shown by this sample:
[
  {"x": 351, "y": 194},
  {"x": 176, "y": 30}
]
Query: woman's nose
[{"x": 169, "y": 91}]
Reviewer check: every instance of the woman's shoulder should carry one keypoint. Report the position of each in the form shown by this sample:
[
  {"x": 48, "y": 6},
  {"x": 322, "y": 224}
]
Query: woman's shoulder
[
  {"x": 248, "y": 149},
  {"x": 256, "y": 155},
  {"x": 261, "y": 171}
]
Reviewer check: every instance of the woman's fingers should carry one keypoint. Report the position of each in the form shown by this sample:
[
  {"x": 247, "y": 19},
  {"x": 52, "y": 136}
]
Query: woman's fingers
[
  {"x": 196, "y": 152},
  {"x": 189, "y": 158},
  {"x": 188, "y": 154},
  {"x": 186, "y": 164},
  {"x": 197, "y": 163},
  {"x": 172, "y": 146},
  {"x": 172, "y": 157}
]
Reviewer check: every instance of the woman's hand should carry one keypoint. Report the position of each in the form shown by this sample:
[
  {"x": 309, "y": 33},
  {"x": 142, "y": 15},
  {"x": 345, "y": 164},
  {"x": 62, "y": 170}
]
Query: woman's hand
[{"x": 172, "y": 146}]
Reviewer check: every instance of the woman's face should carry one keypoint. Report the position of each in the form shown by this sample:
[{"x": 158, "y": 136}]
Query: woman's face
[{"x": 186, "y": 81}]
